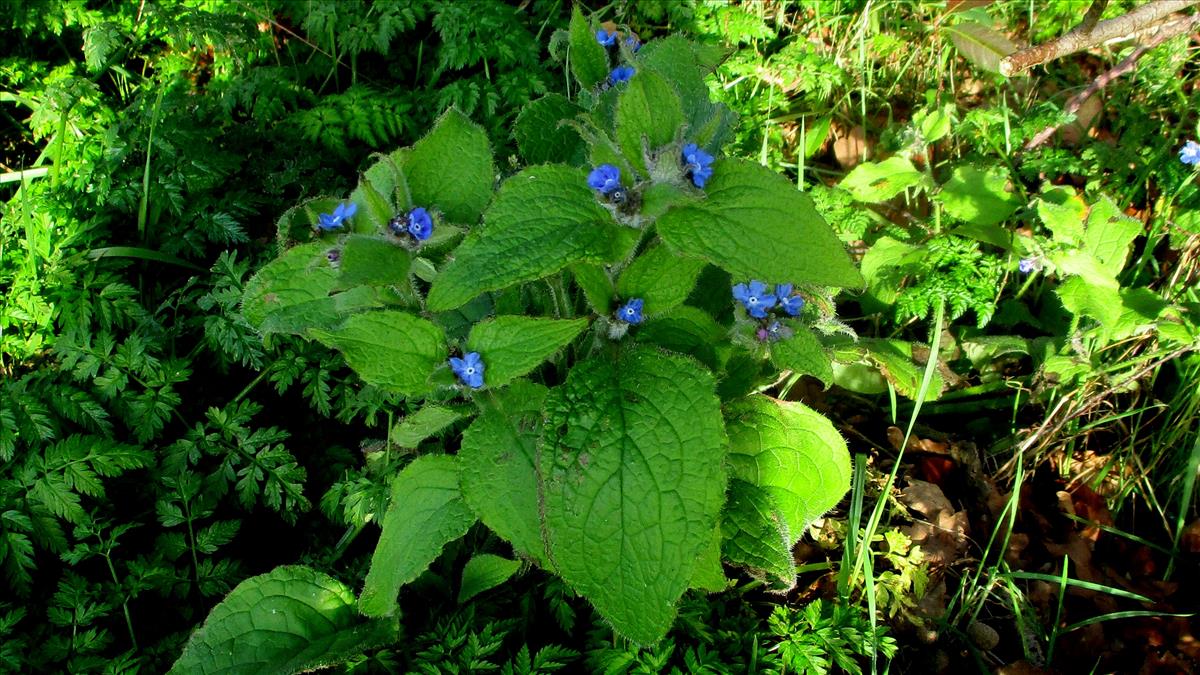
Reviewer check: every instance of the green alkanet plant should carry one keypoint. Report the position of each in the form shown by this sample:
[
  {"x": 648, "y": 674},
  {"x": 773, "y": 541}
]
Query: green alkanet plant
[{"x": 645, "y": 457}]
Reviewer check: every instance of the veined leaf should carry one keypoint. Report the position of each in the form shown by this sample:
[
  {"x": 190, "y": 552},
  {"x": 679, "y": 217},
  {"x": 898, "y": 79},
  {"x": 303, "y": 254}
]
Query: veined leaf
[
  {"x": 633, "y": 483},
  {"x": 648, "y": 116},
  {"x": 511, "y": 346},
  {"x": 660, "y": 278},
  {"x": 543, "y": 134},
  {"x": 292, "y": 619},
  {"x": 426, "y": 512},
  {"x": 451, "y": 169},
  {"x": 485, "y": 572},
  {"x": 803, "y": 354},
  {"x": 876, "y": 182},
  {"x": 756, "y": 535},
  {"x": 982, "y": 45},
  {"x": 393, "y": 350},
  {"x": 296, "y": 292},
  {"x": 589, "y": 61},
  {"x": 426, "y": 422}
]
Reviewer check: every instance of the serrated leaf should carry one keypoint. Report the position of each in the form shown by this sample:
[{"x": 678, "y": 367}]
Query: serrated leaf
[
  {"x": 425, "y": 513},
  {"x": 755, "y": 534},
  {"x": 803, "y": 353},
  {"x": 292, "y": 619},
  {"x": 543, "y": 219},
  {"x": 426, "y": 422},
  {"x": 393, "y": 350},
  {"x": 511, "y": 346},
  {"x": 982, "y": 45},
  {"x": 755, "y": 224},
  {"x": 978, "y": 196},
  {"x": 660, "y": 278},
  {"x": 589, "y": 61},
  {"x": 296, "y": 292},
  {"x": 543, "y": 136},
  {"x": 633, "y": 482},
  {"x": 648, "y": 116},
  {"x": 793, "y": 453},
  {"x": 1109, "y": 234},
  {"x": 451, "y": 169},
  {"x": 497, "y": 469},
  {"x": 372, "y": 261},
  {"x": 875, "y": 182},
  {"x": 483, "y": 573}
]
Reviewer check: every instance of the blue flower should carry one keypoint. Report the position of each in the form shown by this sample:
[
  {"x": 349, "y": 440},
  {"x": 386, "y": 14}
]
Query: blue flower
[
  {"x": 755, "y": 297},
  {"x": 469, "y": 369},
  {"x": 605, "y": 38},
  {"x": 633, "y": 43},
  {"x": 698, "y": 163},
  {"x": 792, "y": 304},
  {"x": 335, "y": 220},
  {"x": 420, "y": 225},
  {"x": 604, "y": 178},
  {"x": 631, "y": 312},
  {"x": 620, "y": 74},
  {"x": 1027, "y": 265},
  {"x": 1190, "y": 153}
]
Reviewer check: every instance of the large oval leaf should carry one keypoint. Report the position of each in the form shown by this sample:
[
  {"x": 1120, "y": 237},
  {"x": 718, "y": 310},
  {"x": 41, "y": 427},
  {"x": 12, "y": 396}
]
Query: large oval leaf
[
  {"x": 632, "y": 464},
  {"x": 511, "y": 346},
  {"x": 393, "y": 350},
  {"x": 451, "y": 169},
  {"x": 290, "y": 620}
]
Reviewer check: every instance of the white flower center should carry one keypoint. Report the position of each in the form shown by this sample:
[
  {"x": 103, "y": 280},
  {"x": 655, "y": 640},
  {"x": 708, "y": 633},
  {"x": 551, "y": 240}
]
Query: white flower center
[{"x": 470, "y": 370}]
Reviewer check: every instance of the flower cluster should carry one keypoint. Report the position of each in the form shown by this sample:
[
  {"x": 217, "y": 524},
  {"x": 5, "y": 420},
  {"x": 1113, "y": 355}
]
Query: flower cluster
[
  {"x": 469, "y": 369},
  {"x": 697, "y": 164},
  {"x": 631, "y": 312},
  {"x": 332, "y": 221},
  {"x": 759, "y": 299},
  {"x": 416, "y": 223},
  {"x": 1190, "y": 153},
  {"x": 609, "y": 39},
  {"x": 605, "y": 179}
]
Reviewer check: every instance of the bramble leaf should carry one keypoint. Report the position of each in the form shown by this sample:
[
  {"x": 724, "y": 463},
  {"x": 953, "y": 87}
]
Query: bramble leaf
[
  {"x": 757, "y": 225},
  {"x": 289, "y": 620},
  {"x": 426, "y": 512},
  {"x": 632, "y": 464}
]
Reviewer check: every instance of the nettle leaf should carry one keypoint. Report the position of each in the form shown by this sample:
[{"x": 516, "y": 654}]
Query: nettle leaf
[
  {"x": 659, "y": 277},
  {"x": 483, "y": 573},
  {"x": 589, "y": 61},
  {"x": 542, "y": 134},
  {"x": 296, "y": 292},
  {"x": 632, "y": 464},
  {"x": 755, "y": 534},
  {"x": 426, "y": 512},
  {"x": 875, "y": 182},
  {"x": 793, "y": 453},
  {"x": 978, "y": 196},
  {"x": 451, "y": 169},
  {"x": 648, "y": 116},
  {"x": 292, "y": 619},
  {"x": 803, "y": 354},
  {"x": 393, "y": 350},
  {"x": 511, "y": 346},
  {"x": 543, "y": 219},
  {"x": 425, "y": 423},
  {"x": 497, "y": 469},
  {"x": 982, "y": 45},
  {"x": 372, "y": 261},
  {"x": 757, "y": 225}
]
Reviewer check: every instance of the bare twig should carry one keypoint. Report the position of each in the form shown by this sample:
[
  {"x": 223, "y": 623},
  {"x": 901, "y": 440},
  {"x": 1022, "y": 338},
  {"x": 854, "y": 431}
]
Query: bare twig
[
  {"x": 1081, "y": 38},
  {"x": 1165, "y": 31}
]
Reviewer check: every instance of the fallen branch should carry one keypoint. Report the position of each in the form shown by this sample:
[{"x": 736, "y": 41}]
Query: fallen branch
[
  {"x": 1164, "y": 32},
  {"x": 1084, "y": 37}
]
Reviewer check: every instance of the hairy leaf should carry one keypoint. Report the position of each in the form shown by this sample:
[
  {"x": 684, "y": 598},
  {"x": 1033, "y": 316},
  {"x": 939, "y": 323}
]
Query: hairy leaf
[
  {"x": 756, "y": 534},
  {"x": 648, "y": 116},
  {"x": 589, "y": 61},
  {"x": 450, "y": 169},
  {"x": 295, "y": 292},
  {"x": 390, "y": 349},
  {"x": 485, "y": 572},
  {"x": 659, "y": 277},
  {"x": 511, "y": 346},
  {"x": 426, "y": 422},
  {"x": 543, "y": 135},
  {"x": 803, "y": 354}
]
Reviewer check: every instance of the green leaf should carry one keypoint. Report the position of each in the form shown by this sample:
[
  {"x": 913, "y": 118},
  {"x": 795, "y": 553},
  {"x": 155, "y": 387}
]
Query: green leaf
[
  {"x": 688, "y": 330},
  {"x": 426, "y": 422},
  {"x": 793, "y": 453},
  {"x": 292, "y": 619},
  {"x": 894, "y": 358},
  {"x": 709, "y": 575},
  {"x": 803, "y": 354},
  {"x": 511, "y": 346},
  {"x": 1109, "y": 234},
  {"x": 982, "y": 45},
  {"x": 875, "y": 182},
  {"x": 648, "y": 116},
  {"x": 589, "y": 61},
  {"x": 543, "y": 219},
  {"x": 425, "y": 513},
  {"x": 483, "y": 573},
  {"x": 497, "y": 467},
  {"x": 757, "y": 225},
  {"x": 633, "y": 472},
  {"x": 388, "y": 179},
  {"x": 392, "y": 350},
  {"x": 451, "y": 169},
  {"x": 660, "y": 278},
  {"x": 596, "y": 286},
  {"x": 542, "y": 134},
  {"x": 755, "y": 534},
  {"x": 372, "y": 261},
  {"x": 1063, "y": 212},
  {"x": 375, "y": 209},
  {"x": 1083, "y": 298},
  {"x": 295, "y": 292},
  {"x": 978, "y": 196}
]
